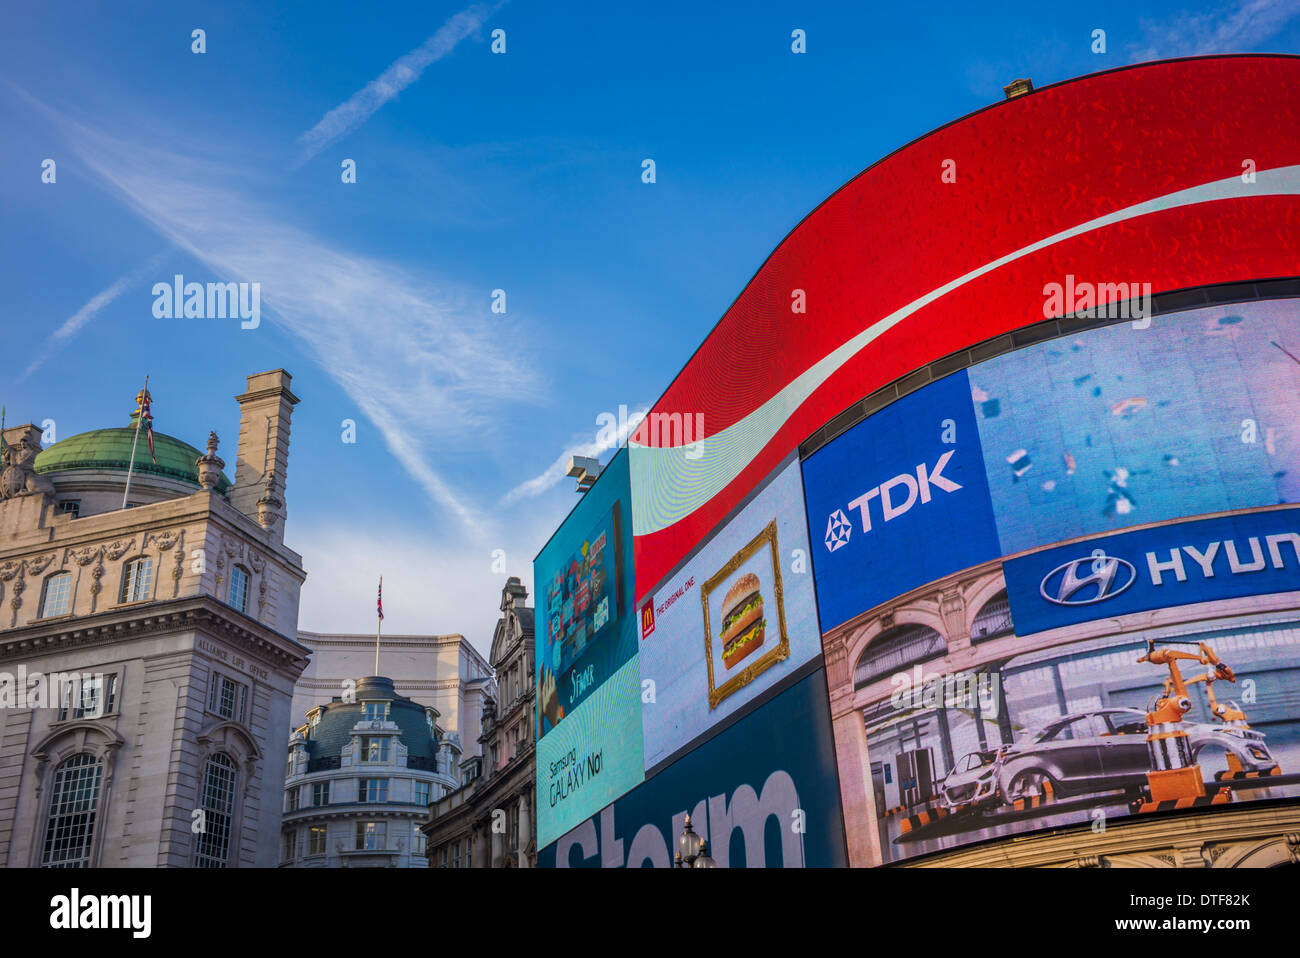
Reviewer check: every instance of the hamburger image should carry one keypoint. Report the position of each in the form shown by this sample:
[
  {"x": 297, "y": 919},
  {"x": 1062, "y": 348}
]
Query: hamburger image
[{"x": 742, "y": 620}]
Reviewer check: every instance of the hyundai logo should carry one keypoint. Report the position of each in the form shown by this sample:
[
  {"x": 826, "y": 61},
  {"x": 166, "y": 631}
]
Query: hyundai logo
[{"x": 1098, "y": 574}]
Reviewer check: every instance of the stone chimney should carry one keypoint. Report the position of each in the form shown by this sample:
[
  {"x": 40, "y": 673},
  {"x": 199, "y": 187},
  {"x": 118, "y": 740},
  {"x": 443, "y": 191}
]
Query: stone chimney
[{"x": 264, "y": 412}]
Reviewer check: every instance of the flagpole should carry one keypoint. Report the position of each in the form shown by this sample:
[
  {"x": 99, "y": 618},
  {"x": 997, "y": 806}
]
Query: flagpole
[
  {"x": 134, "y": 442},
  {"x": 379, "y": 624}
]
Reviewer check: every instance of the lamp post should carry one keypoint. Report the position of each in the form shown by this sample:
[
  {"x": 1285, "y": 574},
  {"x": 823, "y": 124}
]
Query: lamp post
[{"x": 692, "y": 850}]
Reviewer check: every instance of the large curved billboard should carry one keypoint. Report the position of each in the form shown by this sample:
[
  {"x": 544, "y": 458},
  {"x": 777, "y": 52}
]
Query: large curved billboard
[
  {"x": 995, "y": 527},
  {"x": 1013, "y": 556},
  {"x": 1168, "y": 175}
]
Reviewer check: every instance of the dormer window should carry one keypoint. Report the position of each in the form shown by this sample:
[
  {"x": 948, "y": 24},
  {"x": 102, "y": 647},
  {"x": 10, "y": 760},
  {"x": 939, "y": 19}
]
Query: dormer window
[{"x": 376, "y": 711}]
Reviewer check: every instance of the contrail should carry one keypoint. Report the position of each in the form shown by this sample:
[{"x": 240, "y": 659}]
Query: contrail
[{"x": 363, "y": 104}]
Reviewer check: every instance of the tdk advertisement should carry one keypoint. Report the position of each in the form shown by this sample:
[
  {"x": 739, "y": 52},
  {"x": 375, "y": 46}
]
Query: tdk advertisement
[
  {"x": 1249, "y": 554},
  {"x": 899, "y": 500}
]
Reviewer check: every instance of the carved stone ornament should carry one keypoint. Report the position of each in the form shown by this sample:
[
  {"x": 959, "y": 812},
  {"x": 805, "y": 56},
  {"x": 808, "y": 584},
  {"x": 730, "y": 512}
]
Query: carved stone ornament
[
  {"x": 39, "y": 564},
  {"x": 9, "y": 570},
  {"x": 119, "y": 549},
  {"x": 163, "y": 540},
  {"x": 83, "y": 557},
  {"x": 210, "y": 465}
]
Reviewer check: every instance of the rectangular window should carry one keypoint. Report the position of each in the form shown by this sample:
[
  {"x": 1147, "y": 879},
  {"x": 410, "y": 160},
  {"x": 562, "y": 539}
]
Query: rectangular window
[
  {"x": 443, "y": 857},
  {"x": 288, "y": 843},
  {"x": 421, "y": 793},
  {"x": 455, "y": 854},
  {"x": 372, "y": 790},
  {"x": 320, "y": 793},
  {"x": 71, "y": 507},
  {"x": 239, "y": 588},
  {"x": 90, "y": 696},
  {"x": 228, "y": 698},
  {"x": 288, "y": 766},
  {"x": 371, "y": 836},
  {"x": 58, "y": 595},
  {"x": 291, "y": 800},
  {"x": 417, "y": 841},
  {"x": 374, "y": 748},
  {"x": 376, "y": 711},
  {"x": 316, "y": 840},
  {"x": 136, "y": 581}
]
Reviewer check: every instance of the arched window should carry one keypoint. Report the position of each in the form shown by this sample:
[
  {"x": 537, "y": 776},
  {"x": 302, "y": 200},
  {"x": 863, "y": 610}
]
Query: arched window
[
  {"x": 239, "y": 588},
  {"x": 137, "y": 578},
  {"x": 896, "y": 649},
  {"x": 993, "y": 620},
  {"x": 57, "y": 599},
  {"x": 218, "y": 796},
  {"x": 74, "y": 802}
]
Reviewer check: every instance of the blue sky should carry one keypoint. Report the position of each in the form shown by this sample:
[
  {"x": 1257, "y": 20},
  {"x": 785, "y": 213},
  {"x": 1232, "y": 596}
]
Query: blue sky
[{"x": 475, "y": 172}]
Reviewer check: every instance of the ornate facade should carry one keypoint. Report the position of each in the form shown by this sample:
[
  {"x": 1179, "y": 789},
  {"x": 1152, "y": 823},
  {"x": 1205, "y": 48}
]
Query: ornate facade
[
  {"x": 488, "y": 821},
  {"x": 360, "y": 778},
  {"x": 147, "y": 656}
]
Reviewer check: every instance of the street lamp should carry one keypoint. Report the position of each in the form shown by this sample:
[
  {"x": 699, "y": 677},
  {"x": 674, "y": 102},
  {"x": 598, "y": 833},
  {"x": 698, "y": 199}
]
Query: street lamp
[{"x": 692, "y": 850}]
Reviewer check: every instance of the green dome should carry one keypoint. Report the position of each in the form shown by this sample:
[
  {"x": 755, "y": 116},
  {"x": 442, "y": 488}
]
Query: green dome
[{"x": 110, "y": 449}]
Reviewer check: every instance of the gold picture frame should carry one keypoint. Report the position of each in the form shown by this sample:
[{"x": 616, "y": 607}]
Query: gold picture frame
[{"x": 781, "y": 651}]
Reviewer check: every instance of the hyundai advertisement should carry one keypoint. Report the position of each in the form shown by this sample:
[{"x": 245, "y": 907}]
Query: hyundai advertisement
[
  {"x": 761, "y": 793},
  {"x": 588, "y": 704},
  {"x": 736, "y": 620},
  {"x": 1108, "y": 629}
]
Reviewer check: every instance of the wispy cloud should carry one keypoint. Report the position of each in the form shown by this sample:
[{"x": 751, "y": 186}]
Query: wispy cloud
[
  {"x": 73, "y": 324},
  {"x": 606, "y": 439},
  {"x": 363, "y": 104},
  {"x": 422, "y": 364},
  {"x": 1236, "y": 29}
]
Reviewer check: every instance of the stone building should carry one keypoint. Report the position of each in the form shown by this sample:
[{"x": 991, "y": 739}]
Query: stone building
[
  {"x": 443, "y": 671},
  {"x": 359, "y": 780},
  {"x": 488, "y": 821},
  {"x": 147, "y": 658}
]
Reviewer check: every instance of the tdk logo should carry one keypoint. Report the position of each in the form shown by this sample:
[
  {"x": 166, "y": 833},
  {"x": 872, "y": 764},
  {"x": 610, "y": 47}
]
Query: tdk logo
[
  {"x": 897, "y": 496},
  {"x": 1085, "y": 581},
  {"x": 838, "y": 530}
]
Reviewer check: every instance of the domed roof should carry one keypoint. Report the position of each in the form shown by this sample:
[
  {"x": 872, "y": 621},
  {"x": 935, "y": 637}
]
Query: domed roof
[
  {"x": 337, "y": 719},
  {"x": 110, "y": 450}
]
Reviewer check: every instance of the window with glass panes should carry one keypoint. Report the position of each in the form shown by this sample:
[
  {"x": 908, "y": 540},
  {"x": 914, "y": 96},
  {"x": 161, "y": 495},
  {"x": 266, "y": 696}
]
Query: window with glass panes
[
  {"x": 371, "y": 836},
  {"x": 376, "y": 711},
  {"x": 90, "y": 696},
  {"x": 291, "y": 799},
  {"x": 421, "y": 793},
  {"x": 288, "y": 843},
  {"x": 320, "y": 793},
  {"x": 374, "y": 748},
  {"x": 74, "y": 803},
  {"x": 239, "y": 588},
  {"x": 228, "y": 698},
  {"x": 218, "y": 797},
  {"x": 372, "y": 790},
  {"x": 58, "y": 595},
  {"x": 136, "y": 579},
  {"x": 316, "y": 840}
]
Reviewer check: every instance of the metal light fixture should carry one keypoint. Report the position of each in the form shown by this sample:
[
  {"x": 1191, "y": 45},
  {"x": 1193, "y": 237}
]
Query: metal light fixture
[{"x": 692, "y": 850}]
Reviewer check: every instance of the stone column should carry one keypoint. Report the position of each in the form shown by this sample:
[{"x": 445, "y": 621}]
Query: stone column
[{"x": 523, "y": 829}]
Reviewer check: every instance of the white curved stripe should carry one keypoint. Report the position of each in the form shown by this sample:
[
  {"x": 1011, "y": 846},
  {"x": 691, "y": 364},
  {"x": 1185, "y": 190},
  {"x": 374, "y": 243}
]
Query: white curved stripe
[{"x": 668, "y": 485}]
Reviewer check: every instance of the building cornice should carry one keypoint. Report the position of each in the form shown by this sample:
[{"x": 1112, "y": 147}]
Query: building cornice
[{"x": 153, "y": 618}]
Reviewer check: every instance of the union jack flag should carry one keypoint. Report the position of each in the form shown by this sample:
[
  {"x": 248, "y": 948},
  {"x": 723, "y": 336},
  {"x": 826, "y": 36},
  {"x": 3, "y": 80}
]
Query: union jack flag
[{"x": 146, "y": 417}]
